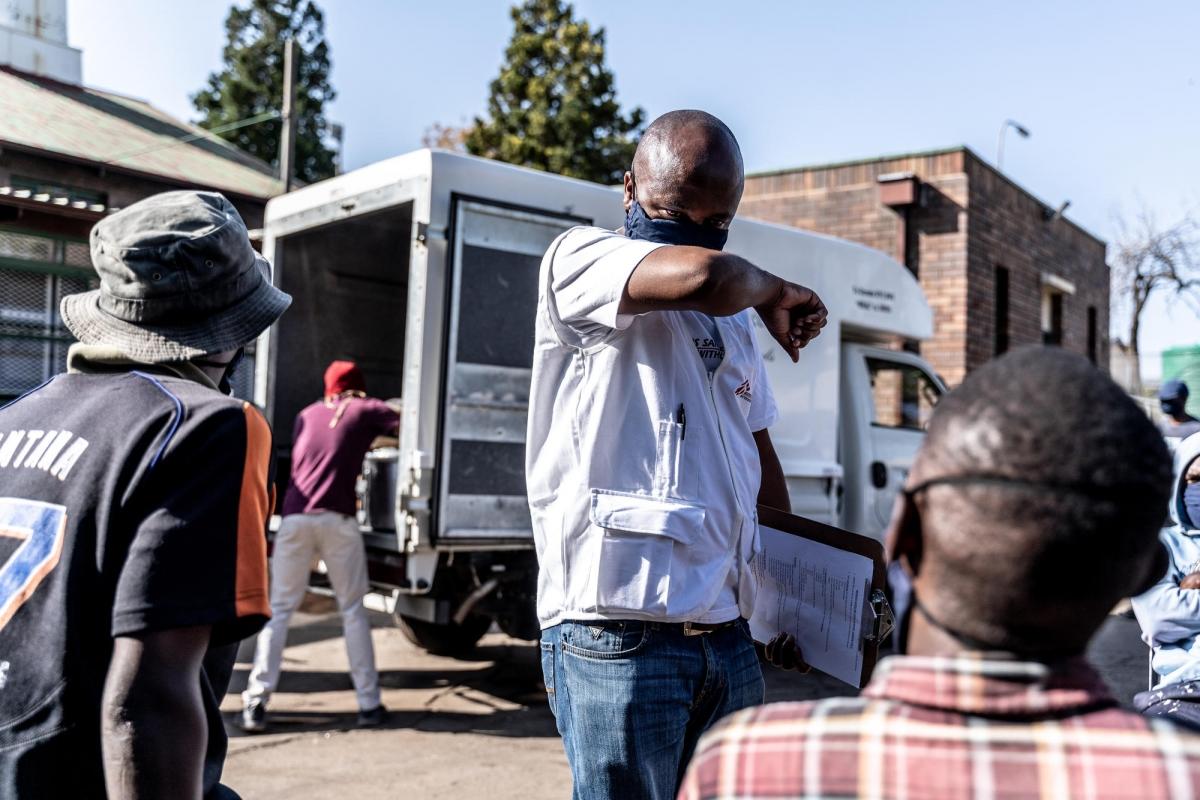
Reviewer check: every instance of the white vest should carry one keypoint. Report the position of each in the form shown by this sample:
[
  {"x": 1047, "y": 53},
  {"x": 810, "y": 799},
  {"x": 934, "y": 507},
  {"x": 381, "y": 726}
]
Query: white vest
[{"x": 642, "y": 471}]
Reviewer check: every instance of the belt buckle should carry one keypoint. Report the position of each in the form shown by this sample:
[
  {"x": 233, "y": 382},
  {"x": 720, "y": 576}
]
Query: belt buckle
[{"x": 688, "y": 630}]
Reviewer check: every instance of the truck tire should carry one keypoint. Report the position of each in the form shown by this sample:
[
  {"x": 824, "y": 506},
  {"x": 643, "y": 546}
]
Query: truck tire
[{"x": 444, "y": 640}]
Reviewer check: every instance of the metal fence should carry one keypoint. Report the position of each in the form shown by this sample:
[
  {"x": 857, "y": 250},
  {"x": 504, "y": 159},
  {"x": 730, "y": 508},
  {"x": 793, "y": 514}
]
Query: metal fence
[{"x": 36, "y": 271}]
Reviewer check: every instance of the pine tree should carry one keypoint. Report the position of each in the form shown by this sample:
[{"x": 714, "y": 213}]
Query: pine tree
[
  {"x": 553, "y": 106},
  {"x": 251, "y": 83}
]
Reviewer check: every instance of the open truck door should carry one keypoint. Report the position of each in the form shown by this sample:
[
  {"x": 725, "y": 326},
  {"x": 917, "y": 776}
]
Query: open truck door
[
  {"x": 496, "y": 252},
  {"x": 480, "y": 536}
]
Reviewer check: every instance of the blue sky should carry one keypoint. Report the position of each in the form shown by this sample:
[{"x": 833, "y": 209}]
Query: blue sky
[{"x": 1109, "y": 90}]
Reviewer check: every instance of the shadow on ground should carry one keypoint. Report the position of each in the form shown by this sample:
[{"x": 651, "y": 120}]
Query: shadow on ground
[
  {"x": 494, "y": 678},
  {"x": 500, "y": 685},
  {"x": 520, "y": 723}
]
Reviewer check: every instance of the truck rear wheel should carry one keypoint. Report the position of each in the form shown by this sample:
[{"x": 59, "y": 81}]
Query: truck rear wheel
[{"x": 450, "y": 639}]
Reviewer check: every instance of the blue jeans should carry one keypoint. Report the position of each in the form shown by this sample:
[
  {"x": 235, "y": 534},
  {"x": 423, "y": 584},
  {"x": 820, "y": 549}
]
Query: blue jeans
[{"x": 631, "y": 699}]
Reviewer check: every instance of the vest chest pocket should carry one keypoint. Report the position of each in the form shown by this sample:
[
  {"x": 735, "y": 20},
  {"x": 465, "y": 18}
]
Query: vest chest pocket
[
  {"x": 676, "y": 472},
  {"x": 639, "y": 534}
]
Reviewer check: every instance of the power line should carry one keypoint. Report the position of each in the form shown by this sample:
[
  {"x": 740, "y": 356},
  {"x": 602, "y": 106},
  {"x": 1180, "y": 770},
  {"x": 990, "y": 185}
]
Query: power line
[{"x": 232, "y": 126}]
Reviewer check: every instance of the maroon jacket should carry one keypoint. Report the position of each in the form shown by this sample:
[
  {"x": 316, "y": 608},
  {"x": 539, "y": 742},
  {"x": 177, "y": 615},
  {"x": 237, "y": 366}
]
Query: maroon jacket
[{"x": 328, "y": 444}]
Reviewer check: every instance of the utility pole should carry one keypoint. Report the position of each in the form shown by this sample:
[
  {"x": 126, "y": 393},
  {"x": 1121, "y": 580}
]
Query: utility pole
[
  {"x": 287, "y": 144},
  {"x": 338, "y": 134}
]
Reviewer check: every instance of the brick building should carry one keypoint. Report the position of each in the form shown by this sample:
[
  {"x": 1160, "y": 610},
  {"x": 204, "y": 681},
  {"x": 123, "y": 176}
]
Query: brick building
[
  {"x": 1000, "y": 268},
  {"x": 69, "y": 154}
]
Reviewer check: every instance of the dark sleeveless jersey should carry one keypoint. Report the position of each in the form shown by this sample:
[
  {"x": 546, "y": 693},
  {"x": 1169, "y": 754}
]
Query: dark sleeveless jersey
[{"x": 130, "y": 502}]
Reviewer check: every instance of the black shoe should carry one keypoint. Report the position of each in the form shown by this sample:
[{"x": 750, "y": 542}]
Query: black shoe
[
  {"x": 254, "y": 717},
  {"x": 372, "y": 718}
]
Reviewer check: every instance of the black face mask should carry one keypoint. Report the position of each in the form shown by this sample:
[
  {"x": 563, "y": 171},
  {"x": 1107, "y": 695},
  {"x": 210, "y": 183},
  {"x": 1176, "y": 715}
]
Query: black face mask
[
  {"x": 672, "y": 231},
  {"x": 1173, "y": 407}
]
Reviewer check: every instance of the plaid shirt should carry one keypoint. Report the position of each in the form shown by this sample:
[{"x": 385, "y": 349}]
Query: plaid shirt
[{"x": 966, "y": 727}]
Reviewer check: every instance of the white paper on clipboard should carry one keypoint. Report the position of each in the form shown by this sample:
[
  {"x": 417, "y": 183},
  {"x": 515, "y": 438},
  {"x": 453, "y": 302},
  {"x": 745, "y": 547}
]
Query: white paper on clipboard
[{"x": 818, "y": 594}]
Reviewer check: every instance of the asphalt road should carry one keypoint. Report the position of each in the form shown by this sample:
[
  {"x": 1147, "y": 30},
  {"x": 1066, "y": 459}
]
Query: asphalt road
[{"x": 476, "y": 728}]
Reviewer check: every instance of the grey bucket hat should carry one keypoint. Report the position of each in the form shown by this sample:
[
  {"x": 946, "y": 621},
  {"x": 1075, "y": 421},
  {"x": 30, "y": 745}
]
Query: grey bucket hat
[{"x": 178, "y": 279}]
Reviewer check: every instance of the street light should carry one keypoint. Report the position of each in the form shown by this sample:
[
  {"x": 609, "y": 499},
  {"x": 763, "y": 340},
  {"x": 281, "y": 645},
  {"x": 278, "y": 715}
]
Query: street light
[{"x": 1008, "y": 123}]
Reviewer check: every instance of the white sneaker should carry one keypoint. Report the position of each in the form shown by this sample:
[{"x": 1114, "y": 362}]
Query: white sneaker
[{"x": 254, "y": 717}]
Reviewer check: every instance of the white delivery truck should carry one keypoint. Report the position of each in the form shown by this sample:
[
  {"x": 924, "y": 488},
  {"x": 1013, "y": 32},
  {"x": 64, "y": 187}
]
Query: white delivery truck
[{"x": 423, "y": 269}]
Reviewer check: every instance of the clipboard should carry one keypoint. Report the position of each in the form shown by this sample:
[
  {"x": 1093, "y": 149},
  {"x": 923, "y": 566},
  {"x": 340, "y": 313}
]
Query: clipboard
[{"x": 826, "y": 570}]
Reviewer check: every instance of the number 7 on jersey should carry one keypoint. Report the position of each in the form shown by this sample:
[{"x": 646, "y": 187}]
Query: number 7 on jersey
[{"x": 41, "y": 527}]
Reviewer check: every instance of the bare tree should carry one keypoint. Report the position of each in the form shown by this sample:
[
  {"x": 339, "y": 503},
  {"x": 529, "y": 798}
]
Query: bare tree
[{"x": 1147, "y": 259}]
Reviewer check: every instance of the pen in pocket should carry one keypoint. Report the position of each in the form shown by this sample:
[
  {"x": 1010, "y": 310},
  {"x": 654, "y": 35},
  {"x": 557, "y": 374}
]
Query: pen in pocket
[{"x": 681, "y": 419}]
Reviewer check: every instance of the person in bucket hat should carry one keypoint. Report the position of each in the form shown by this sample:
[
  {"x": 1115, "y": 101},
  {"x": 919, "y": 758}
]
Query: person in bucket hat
[
  {"x": 136, "y": 491},
  {"x": 178, "y": 280}
]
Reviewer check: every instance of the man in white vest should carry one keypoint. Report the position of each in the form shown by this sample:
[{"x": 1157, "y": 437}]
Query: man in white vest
[{"x": 648, "y": 453}]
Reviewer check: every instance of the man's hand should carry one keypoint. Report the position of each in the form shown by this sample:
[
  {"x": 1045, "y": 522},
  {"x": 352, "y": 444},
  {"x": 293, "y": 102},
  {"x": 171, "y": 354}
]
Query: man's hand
[
  {"x": 783, "y": 653},
  {"x": 794, "y": 318},
  {"x": 1190, "y": 581}
]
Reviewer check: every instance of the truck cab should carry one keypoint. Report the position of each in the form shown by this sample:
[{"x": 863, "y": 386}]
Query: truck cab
[{"x": 423, "y": 269}]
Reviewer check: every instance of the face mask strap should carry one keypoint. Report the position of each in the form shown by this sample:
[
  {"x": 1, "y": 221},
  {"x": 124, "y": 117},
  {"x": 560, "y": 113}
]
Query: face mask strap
[
  {"x": 1118, "y": 491},
  {"x": 985, "y": 479},
  {"x": 964, "y": 639}
]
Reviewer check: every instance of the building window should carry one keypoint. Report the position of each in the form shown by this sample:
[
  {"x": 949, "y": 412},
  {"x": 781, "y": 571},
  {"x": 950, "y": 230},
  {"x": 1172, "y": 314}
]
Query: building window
[
  {"x": 1054, "y": 289},
  {"x": 1091, "y": 334},
  {"x": 1000, "y": 310},
  {"x": 1052, "y": 316}
]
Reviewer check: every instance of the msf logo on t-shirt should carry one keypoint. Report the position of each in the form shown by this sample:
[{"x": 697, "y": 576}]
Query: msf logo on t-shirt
[
  {"x": 743, "y": 391},
  {"x": 54, "y": 452}
]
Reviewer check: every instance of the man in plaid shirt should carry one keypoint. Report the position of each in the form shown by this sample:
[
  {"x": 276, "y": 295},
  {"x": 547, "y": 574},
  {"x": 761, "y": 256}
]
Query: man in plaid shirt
[{"x": 1025, "y": 519}]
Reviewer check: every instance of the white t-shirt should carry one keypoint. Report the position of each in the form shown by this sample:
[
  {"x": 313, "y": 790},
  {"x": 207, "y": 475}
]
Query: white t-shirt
[
  {"x": 707, "y": 339},
  {"x": 637, "y": 513}
]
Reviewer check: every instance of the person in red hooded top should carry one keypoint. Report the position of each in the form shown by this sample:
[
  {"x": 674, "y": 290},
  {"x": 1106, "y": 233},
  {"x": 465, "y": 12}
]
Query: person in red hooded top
[{"x": 329, "y": 441}]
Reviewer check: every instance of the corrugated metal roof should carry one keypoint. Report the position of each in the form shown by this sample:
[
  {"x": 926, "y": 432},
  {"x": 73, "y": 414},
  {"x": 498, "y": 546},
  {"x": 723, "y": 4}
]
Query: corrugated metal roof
[
  {"x": 124, "y": 133},
  {"x": 32, "y": 199}
]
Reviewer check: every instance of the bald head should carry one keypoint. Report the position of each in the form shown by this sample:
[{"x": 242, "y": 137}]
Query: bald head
[
  {"x": 687, "y": 164},
  {"x": 1044, "y": 489}
]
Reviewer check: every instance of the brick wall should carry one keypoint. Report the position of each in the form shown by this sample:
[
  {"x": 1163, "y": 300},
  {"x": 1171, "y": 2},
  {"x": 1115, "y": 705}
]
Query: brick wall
[
  {"x": 954, "y": 261},
  {"x": 843, "y": 200},
  {"x": 1008, "y": 228}
]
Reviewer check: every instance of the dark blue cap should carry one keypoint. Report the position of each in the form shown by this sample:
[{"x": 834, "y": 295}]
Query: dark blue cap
[{"x": 1173, "y": 390}]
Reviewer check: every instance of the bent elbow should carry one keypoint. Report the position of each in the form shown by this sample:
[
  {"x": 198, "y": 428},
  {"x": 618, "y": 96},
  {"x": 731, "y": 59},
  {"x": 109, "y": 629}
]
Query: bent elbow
[
  {"x": 716, "y": 286},
  {"x": 117, "y": 720}
]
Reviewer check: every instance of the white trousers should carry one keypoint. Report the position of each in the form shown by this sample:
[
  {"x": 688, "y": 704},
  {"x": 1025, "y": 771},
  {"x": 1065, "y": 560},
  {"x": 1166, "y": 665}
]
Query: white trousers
[{"x": 335, "y": 538}]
